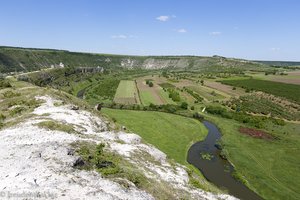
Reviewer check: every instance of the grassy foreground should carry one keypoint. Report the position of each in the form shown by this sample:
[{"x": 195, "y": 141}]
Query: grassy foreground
[{"x": 170, "y": 133}]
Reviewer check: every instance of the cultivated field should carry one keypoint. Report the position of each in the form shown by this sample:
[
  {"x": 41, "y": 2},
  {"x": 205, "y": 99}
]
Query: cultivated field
[
  {"x": 289, "y": 91},
  {"x": 155, "y": 95},
  {"x": 292, "y": 77},
  {"x": 127, "y": 93},
  {"x": 225, "y": 88},
  {"x": 208, "y": 93}
]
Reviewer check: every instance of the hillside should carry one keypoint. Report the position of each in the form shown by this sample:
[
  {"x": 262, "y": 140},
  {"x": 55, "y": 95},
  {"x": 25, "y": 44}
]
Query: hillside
[
  {"x": 279, "y": 63},
  {"x": 80, "y": 154},
  {"x": 28, "y": 59}
]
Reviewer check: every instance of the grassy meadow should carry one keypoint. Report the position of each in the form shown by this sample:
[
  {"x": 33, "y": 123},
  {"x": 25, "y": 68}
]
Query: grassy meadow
[{"x": 172, "y": 134}]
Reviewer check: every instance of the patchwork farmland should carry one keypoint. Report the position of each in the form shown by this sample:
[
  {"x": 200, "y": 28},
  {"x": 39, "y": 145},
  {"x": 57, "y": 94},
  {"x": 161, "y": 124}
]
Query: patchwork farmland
[
  {"x": 152, "y": 95},
  {"x": 288, "y": 91},
  {"x": 127, "y": 93}
]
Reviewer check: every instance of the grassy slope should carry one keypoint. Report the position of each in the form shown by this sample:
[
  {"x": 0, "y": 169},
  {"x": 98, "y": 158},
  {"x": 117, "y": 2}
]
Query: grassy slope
[
  {"x": 289, "y": 91},
  {"x": 171, "y": 134},
  {"x": 270, "y": 167}
]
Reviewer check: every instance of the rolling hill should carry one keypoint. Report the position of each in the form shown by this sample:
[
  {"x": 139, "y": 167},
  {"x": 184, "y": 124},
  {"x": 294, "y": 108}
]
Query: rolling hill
[{"x": 15, "y": 59}]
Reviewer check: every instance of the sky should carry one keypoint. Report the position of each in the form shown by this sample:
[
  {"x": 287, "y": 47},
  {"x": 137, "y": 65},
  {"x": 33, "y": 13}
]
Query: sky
[{"x": 249, "y": 29}]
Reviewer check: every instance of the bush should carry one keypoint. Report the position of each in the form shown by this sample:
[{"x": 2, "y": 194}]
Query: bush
[
  {"x": 174, "y": 95},
  {"x": 192, "y": 108},
  {"x": 4, "y": 84},
  {"x": 2, "y": 117},
  {"x": 150, "y": 84},
  {"x": 196, "y": 115},
  {"x": 184, "y": 105}
]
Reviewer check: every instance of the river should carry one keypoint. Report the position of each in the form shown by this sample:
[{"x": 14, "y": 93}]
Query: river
[{"x": 206, "y": 157}]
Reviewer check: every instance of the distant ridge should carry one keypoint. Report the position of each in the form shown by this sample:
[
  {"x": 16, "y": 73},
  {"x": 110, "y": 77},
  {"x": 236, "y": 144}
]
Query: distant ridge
[{"x": 15, "y": 59}]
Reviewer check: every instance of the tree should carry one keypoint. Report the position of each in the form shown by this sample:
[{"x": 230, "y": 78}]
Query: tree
[
  {"x": 184, "y": 105},
  {"x": 202, "y": 82}
]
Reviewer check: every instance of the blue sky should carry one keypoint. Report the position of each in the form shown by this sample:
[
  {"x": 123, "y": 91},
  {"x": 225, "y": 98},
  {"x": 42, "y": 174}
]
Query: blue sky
[{"x": 251, "y": 29}]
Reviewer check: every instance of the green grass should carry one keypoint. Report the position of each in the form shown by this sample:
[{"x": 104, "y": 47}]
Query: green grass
[
  {"x": 170, "y": 133},
  {"x": 147, "y": 98},
  {"x": 271, "y": 168},
  {"x": 289, "y": 91}
]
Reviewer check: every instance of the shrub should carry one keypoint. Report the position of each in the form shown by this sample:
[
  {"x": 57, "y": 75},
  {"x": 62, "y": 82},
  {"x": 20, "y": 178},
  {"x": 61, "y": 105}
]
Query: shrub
[
  {"x": 4, "y": 84},
  {"x": 174, "y": 95},
  {"x": 2, "y": 117},
  {"x": 192, "y": 108},
  {"x": 150, "y": 84},
  {"x": 196, "y": 115},
  {"x": 184, "y": 105}
]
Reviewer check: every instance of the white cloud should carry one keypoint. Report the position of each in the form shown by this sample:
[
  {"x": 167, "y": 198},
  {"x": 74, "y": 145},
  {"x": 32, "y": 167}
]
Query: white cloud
[
  {"x": 182, "y": 30},
  {"x": 275, "y": 49},
  {"x": 119, "y": 37},
  {"x": 215, "y": 33},
  {"x": 163, "y": 18}
]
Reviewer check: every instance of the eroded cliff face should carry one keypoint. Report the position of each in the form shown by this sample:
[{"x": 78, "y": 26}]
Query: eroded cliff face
[
  {"x": 22, "y": 59},
  {"x": 40, "y": 162}
]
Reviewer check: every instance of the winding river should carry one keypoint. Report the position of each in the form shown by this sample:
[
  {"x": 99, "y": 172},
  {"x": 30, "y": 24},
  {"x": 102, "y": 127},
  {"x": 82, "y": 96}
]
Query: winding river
[{"x": 206, "y": 157}]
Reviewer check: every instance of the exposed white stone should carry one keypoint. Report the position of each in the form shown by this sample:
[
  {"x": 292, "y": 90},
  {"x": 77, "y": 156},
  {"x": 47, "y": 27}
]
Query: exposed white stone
[{"x": 38, "y": 161}]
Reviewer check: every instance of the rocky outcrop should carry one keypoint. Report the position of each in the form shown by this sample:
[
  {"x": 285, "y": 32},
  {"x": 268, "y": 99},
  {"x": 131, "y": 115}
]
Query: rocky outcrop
[{"x": 40, "y": 162}]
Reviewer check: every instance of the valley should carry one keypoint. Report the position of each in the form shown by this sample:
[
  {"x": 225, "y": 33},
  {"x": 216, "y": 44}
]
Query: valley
[{"x": 166, "y": 107}]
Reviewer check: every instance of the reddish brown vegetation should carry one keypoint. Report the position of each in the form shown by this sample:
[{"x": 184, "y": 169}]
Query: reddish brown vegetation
[{"x": 255, "y": 133}]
